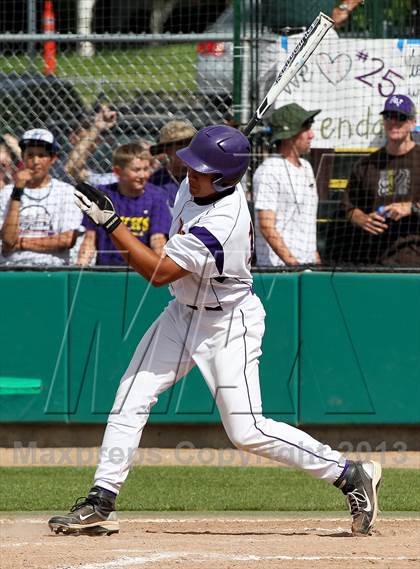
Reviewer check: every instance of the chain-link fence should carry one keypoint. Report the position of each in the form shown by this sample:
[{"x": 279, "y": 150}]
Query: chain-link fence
[
  {"x": 154, "y": 60},
  {"x": 205, "y": 62},
  {"x": 147, "y": 77}
]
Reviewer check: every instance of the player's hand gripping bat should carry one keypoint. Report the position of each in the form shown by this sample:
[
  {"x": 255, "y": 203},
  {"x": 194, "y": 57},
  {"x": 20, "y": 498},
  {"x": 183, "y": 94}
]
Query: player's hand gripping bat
[
  {"x": 296, "y": 60},
  {"x": 97, "y": 205}
]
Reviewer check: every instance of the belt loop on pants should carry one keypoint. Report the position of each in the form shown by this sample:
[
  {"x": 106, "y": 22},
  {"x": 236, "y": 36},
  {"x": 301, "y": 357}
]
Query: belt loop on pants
[{"x": 209, "y": 308}]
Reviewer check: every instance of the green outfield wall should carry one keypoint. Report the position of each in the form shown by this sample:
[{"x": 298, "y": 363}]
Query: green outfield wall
[{"x": 338, "y": 348}]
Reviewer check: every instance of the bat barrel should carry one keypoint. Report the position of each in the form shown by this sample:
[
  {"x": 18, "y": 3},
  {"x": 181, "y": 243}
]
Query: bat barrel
[{"x": 300, "y": 54}]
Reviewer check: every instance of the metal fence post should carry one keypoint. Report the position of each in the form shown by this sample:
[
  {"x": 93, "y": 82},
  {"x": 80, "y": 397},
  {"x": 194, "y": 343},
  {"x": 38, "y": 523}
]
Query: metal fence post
[
  {"x": 237, "y": 61},
  {"x": 376, "y": 8},
  {"x": 31, "y": 26},
  {"x": 84, "y": 26}
]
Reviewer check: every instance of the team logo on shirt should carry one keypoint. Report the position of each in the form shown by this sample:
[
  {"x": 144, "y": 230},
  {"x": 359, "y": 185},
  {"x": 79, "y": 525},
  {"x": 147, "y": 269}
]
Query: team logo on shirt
[
  {"x": 394, "y": 182},
  {"x": 36, "y": 221},
  {"x": 137, "y": 225}
]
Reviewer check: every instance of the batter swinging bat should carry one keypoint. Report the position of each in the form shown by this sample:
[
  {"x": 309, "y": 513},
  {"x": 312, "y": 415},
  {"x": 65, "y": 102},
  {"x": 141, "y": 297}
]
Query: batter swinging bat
[{"x": 296, "y": 60}]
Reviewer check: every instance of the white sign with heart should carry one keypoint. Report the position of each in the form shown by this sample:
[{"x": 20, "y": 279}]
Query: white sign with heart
[
  {"x": 334, "y": 69},
  {"x": 350, "y": 79}
]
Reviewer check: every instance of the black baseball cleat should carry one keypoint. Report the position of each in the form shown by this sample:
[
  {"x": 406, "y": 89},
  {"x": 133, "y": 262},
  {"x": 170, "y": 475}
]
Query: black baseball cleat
[
  {"x": 360, "y": 483},
  {"x": 91, "y": 515}
]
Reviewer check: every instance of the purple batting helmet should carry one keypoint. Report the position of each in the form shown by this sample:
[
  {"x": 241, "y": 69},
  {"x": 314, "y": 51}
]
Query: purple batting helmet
[{"x": 221, "y": 150}]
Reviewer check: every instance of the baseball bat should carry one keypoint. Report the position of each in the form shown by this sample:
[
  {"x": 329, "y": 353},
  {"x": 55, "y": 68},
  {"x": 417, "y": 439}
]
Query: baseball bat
[{"x": 296, "y": 60}]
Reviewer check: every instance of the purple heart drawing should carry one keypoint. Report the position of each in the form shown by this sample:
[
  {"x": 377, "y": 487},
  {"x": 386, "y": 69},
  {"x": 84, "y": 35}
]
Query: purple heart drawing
[{"x": 334, "y": 69}]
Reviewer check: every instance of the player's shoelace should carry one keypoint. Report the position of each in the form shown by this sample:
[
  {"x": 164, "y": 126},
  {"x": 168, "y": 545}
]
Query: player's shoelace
[
  {"x": 356, "y": 501},
  {"x": 81, "y": 502}
]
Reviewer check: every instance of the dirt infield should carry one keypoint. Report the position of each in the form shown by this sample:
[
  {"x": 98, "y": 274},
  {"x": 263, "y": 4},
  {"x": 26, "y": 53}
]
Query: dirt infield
[
  {"x": 220, "y": 541},
  {"x": 208, "y": 541}
]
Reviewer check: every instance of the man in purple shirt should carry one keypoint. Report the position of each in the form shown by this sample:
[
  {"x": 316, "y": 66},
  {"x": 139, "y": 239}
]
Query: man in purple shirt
[{"x": 141, "y": 206}]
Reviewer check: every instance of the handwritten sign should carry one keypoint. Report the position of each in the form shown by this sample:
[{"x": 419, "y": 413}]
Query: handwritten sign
[{"x": 349, "y": 79}]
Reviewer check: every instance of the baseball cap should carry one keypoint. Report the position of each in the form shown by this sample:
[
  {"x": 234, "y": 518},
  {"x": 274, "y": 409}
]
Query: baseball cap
[
  {"x": 287, "y": 121},
  {"x": 173, "y": 132},
  {"x": 39, "y": 135},
  {"x": 400, "y": 104}
]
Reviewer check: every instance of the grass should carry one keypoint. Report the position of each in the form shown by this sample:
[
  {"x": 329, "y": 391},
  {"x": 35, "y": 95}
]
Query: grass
[
  {"x": 119, "y": 73},
  {"x": 184, "y": 488}
]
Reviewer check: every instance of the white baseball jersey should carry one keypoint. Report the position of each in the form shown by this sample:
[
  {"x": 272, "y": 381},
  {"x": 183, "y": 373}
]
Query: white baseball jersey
[
  {"x": 43, "y": 212},
  {"x": 290, "y": 192},
  {"x": 214, "y": 242}
]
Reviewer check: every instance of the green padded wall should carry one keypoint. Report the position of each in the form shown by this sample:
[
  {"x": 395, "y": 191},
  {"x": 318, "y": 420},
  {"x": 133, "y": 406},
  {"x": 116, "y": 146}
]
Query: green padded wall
[
  {"x": 360, "y": 356},
  {"x": 33, "y": 356},
  {"x": 279, "y": 363},
  {"x": 338, "y": 348}
]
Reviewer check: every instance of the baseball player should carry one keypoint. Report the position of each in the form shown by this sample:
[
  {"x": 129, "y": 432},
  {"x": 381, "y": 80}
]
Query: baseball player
[{"x": 215, "y": 322}]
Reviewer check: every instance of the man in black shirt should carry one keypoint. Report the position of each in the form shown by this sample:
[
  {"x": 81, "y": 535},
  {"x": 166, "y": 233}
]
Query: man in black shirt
[{"x": 383, "y": 197}]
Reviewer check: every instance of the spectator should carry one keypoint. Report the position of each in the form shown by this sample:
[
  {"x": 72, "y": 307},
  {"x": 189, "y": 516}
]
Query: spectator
[
  {"x": 173, "y": 136},
  {"x": 40, "y": 219},
  {"x": 85, "y": 139},
  {"x": 383, "y": 197},
  {"x": 12, "y": 142},
  {"x": 285, "y": 193},
  {"x": 6, "y": 174},
  {"x": 341, "y": 13},
  {"x": 6, "y": 166},
  {"x": 141, "y": 206}
]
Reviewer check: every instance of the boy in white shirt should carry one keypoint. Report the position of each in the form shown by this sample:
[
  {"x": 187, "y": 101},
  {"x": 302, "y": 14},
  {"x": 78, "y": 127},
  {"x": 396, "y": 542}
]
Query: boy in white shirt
[{"x": 39, "y": 218}]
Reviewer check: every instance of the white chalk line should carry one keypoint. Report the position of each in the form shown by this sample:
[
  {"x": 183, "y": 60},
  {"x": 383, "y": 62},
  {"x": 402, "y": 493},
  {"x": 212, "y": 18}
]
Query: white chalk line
[
  {"x": 284, "y": 530},
  {"x": 204, "y": 556}
]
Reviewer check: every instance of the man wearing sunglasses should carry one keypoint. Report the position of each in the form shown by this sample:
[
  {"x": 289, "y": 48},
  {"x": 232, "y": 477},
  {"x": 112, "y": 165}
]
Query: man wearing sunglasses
[{"x": 383, "y": 196}]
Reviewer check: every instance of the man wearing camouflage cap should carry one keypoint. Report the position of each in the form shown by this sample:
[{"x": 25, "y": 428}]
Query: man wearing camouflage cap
[
  {"x": 173, "y": 135},
  {"x": 285, "y": 193}
]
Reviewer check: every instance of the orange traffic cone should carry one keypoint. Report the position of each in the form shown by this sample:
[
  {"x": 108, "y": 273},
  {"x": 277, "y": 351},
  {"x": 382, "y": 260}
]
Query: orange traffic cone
[{"x": 50, "y": 48}]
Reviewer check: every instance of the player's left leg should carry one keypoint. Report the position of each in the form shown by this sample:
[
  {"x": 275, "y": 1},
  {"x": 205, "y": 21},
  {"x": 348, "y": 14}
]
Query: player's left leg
[
  {"x": 159, "y": 361},
  {"x": 232, "y": 375},
  {"x": 230, "y": 367}
]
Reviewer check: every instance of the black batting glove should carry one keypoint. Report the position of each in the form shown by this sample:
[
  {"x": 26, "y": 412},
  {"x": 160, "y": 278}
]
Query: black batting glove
[{"x": 97, "y": 206}]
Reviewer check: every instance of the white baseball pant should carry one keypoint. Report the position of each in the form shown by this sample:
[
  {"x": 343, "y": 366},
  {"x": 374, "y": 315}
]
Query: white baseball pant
[{"x": 226, "y": 347}]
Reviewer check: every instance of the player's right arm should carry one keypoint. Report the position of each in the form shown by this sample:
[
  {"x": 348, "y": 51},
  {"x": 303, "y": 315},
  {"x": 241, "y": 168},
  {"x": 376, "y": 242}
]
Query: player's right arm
[{"x": 155, "y": 269}]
